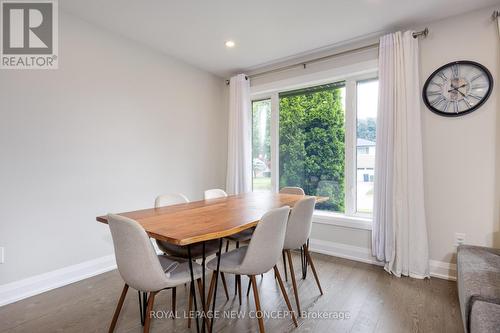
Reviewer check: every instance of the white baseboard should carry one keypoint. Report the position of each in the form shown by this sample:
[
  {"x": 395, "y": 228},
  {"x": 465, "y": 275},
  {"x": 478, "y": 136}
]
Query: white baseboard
[
  {"x": 438, "y": 269},
  {"x": 18, "y": 290}
]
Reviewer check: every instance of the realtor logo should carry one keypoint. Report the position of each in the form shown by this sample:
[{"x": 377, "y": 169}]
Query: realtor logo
[{"x": 29, "y": 34}]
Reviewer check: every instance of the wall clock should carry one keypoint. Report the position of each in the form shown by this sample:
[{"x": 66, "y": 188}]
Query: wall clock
[{"x": 457, "y": 88}]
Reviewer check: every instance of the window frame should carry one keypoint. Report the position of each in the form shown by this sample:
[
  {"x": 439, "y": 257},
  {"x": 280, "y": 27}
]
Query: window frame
[{"x": 350, "y": 218}]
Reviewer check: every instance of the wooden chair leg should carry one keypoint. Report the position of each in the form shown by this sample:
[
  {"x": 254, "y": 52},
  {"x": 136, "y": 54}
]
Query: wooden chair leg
[
  {"x": 118, "y": 308},
  {"x": 311, "y": 262},
  {"x": 174, "y": 299},
  {"x": 190, "y": 306},
  {"x": 236, "y": 276},
  {"x": 284, "y": 265},
  {"x": 147, "y": 320},
  {"x": 211, "y": 289},
  {"x": 294, "y": 282},
  {"x": 257, "y": 303},
  {"x": 201, "y": 291},
  {"x": 224, "y": 283},
  {"x": 227, "y": 245},
  {"x": 285, "y": 296}
]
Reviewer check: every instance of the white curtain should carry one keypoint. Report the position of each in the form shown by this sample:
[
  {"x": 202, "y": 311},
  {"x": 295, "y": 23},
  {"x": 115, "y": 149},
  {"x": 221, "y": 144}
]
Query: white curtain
[
  {"x": 399, "y": 235},
  {"x": 239, "y": 164}
]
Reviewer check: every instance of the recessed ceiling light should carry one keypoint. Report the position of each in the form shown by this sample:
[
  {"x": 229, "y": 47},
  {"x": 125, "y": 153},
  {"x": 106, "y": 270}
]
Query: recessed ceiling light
[{"x": 230, "y": 43}]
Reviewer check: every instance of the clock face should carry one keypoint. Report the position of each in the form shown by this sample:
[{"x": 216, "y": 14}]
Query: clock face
[{"x": 457, "y": 88}]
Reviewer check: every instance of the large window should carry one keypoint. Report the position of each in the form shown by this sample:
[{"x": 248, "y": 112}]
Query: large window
[
  {"x": 311, "y": 142},
  {"x": 320, "y": 138}
]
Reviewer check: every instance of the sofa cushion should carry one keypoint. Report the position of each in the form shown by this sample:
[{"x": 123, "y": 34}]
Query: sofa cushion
[
  {"x": 485, "y": 317},
  {"x": 478, "y": 277}
]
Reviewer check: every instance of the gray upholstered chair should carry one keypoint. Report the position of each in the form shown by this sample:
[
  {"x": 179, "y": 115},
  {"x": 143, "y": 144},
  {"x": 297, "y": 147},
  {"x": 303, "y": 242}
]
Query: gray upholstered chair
[
  {"x": 297, "y": 191},
  {"x": 211, "y": 247},
  {"x": 297, "y": 234},
  {"x": 242, "y": 236},
  {"x": 141, "y": 268},
  {"x": 292, "y": 190},
  {"x": 258, "y": 257}
]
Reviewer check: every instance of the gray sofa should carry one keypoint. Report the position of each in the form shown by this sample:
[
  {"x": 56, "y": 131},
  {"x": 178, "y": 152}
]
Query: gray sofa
[{"x": 478, "y": 270}]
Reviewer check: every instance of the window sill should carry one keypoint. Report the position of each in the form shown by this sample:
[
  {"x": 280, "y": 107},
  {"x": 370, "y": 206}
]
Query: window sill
[{"x": 341, "y": 220}]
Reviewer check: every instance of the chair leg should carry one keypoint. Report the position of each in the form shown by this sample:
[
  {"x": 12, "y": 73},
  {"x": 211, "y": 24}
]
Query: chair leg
[
  {"x": 118, "y": 308},
  {"x": 311, "y": 262},
  {"x": 201, "y": 291},
  {"x": 284, "y": 265},
  {"x": 223, "y": 278},
  {"x": 174, "y": 299},
  {"x": 257, "y": 303},
  {"x": 211, "y": 289},
  {"x": 147, "y": 320},
  {"x": 294, "y": 282},
  {"x": 227, "y": 245},
  {"x": 285, "y": 296}
]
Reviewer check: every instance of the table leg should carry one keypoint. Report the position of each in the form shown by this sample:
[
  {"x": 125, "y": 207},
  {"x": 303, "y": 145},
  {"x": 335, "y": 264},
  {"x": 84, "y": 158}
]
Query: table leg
[
  {"x": 203, "y": 288},
  {"x": 193, "y": 291},
  {"x": 216, "y": 282}
]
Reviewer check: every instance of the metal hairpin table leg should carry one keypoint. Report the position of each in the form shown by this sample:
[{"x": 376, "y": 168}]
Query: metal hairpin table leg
[
  {"x": 203, "y": 305},
  {"x": 143, "y": 302},
  {"x": 305, "y": 263},
  {"x": 193, "y": 292},
  {"x": 215, "y": 288}
]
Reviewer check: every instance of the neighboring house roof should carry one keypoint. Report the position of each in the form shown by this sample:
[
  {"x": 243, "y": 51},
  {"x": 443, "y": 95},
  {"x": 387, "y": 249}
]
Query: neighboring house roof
[{"x": 364, "y": 143}]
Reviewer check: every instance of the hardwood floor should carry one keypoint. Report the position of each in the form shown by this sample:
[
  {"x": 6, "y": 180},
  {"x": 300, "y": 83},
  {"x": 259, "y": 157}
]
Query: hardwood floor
[{"x": 373, "y": 300}]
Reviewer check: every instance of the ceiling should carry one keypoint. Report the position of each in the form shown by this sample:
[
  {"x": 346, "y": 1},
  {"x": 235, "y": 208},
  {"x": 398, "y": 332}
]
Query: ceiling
[{"x": 264, "y": 30}]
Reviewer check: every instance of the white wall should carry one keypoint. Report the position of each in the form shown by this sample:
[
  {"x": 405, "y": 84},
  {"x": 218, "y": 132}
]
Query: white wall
[
  {"x": 461, "y": 156},
  {"x": 114, "y": 126}
]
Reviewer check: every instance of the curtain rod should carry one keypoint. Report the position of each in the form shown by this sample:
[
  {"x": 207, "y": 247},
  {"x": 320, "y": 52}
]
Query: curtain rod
[{"x": 304, "y": 64}]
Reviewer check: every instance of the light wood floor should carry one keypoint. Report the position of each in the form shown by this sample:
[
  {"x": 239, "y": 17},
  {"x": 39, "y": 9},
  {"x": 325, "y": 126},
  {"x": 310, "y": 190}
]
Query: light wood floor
[{"x": 375, "y": 301}]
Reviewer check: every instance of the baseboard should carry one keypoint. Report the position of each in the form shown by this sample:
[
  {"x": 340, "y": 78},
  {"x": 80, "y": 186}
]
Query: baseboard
[
  {"x": 438, "y": 269},
  {"x": 18, "y": 290}
]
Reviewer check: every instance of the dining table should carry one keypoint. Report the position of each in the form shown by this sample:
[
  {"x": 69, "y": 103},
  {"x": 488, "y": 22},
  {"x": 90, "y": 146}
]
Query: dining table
[{"x": 194, "y": 222}]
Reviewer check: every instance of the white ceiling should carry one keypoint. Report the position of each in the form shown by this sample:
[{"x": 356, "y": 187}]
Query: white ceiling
[{"x": 264, "y": 30}]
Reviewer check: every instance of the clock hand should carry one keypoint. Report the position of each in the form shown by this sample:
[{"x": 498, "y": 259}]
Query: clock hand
[{"x": 456, "y": 88}]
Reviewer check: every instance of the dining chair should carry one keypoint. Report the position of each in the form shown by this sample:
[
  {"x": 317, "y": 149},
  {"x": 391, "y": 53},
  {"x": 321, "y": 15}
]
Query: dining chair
[
  {"x": 211, "y": 247},
  {"x": 298, "y": 231},
  {"x": 292, "y": 190},
  {"x": 297, "y": 191},
  {"x": 142, "y": 269},
  {"x": 242, "y": 236},
  {"x": 261, "y": 255}
]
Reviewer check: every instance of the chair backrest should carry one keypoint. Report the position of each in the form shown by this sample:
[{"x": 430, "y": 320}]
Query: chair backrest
[
  {"x": 215, "y": 193},
  {"x": 267, "y": 241},
  {"x": 170, "y": 199},
  {"x": 136, "y": 259},
  {"x": 292, "y": 190},
  {"x": 299, "y": 223}
]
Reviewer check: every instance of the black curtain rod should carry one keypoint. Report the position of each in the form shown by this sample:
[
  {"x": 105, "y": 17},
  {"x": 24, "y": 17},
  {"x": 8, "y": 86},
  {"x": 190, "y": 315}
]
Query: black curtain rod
[{"x": 304, "y": 64}]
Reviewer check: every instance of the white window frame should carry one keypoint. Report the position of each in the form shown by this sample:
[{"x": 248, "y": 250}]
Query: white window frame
[{"x": 351, "y": 75}]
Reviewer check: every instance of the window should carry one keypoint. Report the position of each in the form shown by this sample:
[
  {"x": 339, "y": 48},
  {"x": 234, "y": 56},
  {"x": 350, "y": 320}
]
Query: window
[
  {"x": 261, "y": 145},
  {"x": 312, "y": 142},
  {"x": 366, "y": 123},
  {"x": 320, "y": 138}
]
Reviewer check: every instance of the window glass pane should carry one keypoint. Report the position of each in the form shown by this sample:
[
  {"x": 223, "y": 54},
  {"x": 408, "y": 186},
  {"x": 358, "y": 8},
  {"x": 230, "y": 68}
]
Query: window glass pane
[
  {"x": 311, "y": 142},
  {"x": 367, "y": 99},
  {"x": 261, "y": 145}
]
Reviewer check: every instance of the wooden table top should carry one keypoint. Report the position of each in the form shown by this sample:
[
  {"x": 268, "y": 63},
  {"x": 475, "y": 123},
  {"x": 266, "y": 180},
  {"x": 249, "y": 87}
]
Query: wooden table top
[{"x": 204, "y": 220}]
